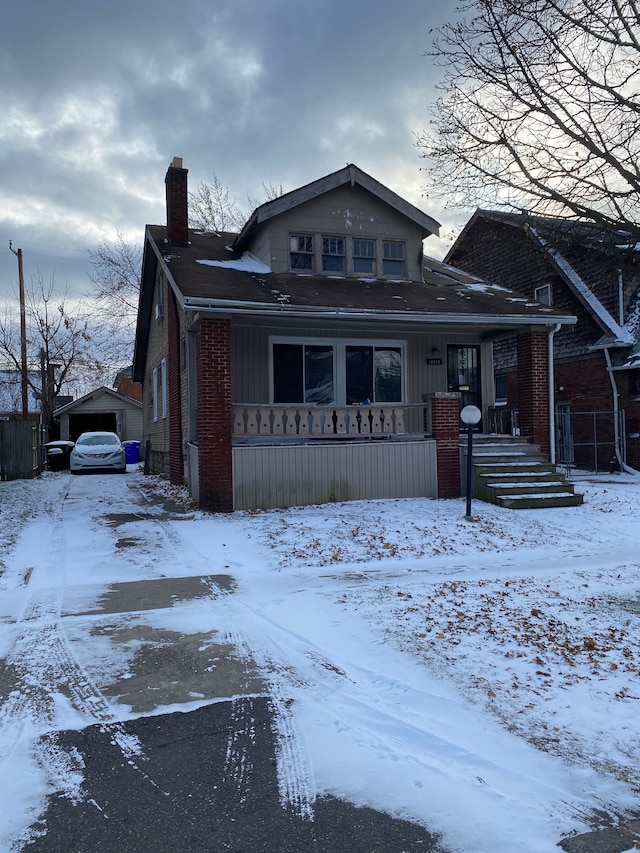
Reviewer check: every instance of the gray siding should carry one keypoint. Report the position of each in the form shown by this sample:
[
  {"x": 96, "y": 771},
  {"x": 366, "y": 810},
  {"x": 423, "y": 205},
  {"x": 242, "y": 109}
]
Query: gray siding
[
  {"x": 270, "y": 477},
  {"x": 250, "y": 354}
]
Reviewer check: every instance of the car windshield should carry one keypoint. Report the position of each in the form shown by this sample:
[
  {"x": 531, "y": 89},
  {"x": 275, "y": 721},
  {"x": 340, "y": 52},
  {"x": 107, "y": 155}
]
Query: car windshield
[{"x": 98, "y": 440}]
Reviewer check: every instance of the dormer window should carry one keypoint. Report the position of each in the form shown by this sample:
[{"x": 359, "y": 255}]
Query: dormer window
[
  {"x": 301, "y": 252},
  {"x": 364, "y": 256},
  {"x": 333, "y": 254},
  {"x": 393, "y": 258}
]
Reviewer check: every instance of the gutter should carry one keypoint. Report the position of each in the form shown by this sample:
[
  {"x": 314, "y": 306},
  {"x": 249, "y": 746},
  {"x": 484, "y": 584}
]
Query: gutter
[{"x": 224, "y": 306}]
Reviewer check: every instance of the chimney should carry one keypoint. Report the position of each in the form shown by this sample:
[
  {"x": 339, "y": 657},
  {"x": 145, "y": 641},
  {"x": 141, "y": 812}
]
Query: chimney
[{"x": 177, "y": 213}]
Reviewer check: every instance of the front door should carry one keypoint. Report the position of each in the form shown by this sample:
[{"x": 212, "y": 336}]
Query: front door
[{"x": 463, "y": 374}]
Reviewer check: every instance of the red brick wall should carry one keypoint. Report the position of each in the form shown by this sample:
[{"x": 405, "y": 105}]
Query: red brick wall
[
  {"x": 445, "y": 428},
  {"x": 533, "y": 387},
  {"x": 176, "y": 463},
  {"x": 177, "y": 210},
  {"x": 215, "y": 414}
]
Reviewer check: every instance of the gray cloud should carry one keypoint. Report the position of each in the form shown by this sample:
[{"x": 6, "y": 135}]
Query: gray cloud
[{"x": 97, "y": 98}]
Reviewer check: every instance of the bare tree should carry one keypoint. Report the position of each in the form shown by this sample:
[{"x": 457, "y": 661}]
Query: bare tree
[
  {"x": 211, "y": 207},
  {"x": 61, "y": 348},
  {"x": 540, "y": 109}
]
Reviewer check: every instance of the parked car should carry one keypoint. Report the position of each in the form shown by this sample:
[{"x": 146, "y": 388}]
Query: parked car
[
  {"x": 58, "y": 453},
  {"x": 98, "y": 451}
]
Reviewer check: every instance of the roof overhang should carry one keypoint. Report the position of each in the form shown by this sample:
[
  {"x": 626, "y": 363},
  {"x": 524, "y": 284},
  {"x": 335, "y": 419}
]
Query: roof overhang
[{"x": 224, "y": 306}]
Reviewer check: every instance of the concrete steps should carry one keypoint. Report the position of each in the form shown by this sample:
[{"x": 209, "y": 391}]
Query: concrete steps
[{"x": 513, "y": 473}]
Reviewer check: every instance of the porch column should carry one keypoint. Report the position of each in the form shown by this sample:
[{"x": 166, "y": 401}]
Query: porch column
[
  {"x": 533, "y": 387},
  {"x": 445, "y": 428},
  {"x": 215, "y": 414},
  {"x": 176, "y": 460}
]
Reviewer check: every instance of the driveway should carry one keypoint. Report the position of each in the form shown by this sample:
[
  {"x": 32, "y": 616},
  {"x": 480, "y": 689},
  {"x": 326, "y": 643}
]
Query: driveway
[{"x": 159, "y": 732}]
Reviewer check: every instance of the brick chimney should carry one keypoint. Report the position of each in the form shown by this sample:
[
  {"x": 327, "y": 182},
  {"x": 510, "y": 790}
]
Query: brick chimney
[{"x": 177, "y": 213}]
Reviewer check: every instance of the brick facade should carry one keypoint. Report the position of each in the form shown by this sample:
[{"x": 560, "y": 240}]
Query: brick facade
[
  {"x": 445, "y": 428},
  {"x": 533, "y": 387},
  {"x": 215, "y": 414}
]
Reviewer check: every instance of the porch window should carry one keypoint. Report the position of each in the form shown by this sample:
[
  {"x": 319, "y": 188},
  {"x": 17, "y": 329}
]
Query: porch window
[
  {"x": 373, "y": 374},
  {"x": 302, "y": 373},
  {"x": 301, "y": 252},
  {"x": 393, "y": 258},
  {"x": 333, "y": 254},
  {"x": 337, "y": 372},
  {"x": 364, "y": 254}
]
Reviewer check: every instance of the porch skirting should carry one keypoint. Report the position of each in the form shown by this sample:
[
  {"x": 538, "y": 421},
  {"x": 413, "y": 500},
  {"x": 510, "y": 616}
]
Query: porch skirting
[{"x": 269, "y": 477}]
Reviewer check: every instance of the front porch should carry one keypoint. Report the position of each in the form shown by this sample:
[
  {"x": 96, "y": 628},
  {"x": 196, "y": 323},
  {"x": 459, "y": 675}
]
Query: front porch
[{"x": 300, "y": 454}]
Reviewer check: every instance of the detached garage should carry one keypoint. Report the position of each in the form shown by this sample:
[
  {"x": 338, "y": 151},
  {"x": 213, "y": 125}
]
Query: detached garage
[{"x": 102, "y": 409}]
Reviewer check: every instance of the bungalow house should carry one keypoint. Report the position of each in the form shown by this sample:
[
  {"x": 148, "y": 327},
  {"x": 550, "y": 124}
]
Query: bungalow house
[
  {"x": 318, "y": 355},
  {"x": 593, "y": 273}
]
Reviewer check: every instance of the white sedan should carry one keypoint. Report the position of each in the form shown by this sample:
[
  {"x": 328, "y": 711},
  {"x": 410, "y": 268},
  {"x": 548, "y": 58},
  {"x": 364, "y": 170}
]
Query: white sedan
[{"x": 98, "y": 451}]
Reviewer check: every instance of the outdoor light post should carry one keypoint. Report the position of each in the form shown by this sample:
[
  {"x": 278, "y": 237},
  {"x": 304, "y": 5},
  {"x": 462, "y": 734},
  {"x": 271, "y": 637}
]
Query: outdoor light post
[{"x": 469, "y": 416}]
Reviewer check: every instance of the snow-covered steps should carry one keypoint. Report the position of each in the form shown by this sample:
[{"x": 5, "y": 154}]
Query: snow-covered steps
[{"x": 514, "y": 473}]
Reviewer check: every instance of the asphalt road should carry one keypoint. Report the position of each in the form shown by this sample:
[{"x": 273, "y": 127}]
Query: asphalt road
[{"x": 190, "y": 780}]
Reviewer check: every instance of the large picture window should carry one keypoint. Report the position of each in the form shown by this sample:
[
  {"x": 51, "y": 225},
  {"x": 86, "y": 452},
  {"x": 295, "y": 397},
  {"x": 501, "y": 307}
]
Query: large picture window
[
  {"x": 373, "y": 374},
  {"x": 339, "y": 372},
  {"x": 302, "y": 373}
]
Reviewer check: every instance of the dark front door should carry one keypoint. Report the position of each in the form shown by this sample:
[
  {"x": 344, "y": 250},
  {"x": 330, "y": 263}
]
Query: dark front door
[{"x": 463, "y": 374}]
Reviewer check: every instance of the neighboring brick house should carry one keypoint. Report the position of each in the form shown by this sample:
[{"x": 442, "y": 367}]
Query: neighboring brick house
[
  {"x": 593, "y": 273},
  {"x": 318, "y": 355}
]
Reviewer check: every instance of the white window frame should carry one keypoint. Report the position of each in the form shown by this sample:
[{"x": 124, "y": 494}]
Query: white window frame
[
  {"x": 163, "y": 387},
  {"x": 155, "y": 392},
  {"x": 539, "y": 292},
  {"x": 330, "y": 239},
  {"x": 373, "y": 258},
  {"x": 339, "y": 346},
  {"x": 394, "y": 260},
  {"x": 307, "y": 236}
]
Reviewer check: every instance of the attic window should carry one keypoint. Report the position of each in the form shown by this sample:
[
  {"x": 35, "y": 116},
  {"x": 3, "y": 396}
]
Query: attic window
[
  {"x": 364, "y": 254},
  {"x": 301, "y": 252},
  {"x": 333, "y": 254},
  {"x": 543, "y": 294},
  {"x": 393, "y": 258}
]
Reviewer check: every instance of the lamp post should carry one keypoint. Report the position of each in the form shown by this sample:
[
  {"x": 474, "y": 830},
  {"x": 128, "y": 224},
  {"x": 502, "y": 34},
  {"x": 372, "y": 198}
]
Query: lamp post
[{"x": 469, "y": 416}]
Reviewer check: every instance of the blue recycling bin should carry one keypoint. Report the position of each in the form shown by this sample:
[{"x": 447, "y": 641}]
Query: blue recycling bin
[{"x": 131, "y": 452}]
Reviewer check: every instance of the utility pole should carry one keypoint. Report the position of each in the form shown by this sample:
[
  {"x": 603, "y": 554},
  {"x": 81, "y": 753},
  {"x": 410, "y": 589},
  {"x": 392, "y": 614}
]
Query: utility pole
[{"x": 23, "y": 334}]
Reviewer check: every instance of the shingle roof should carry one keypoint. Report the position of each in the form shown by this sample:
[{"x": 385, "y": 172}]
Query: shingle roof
[{"x": 445, "y": 290}]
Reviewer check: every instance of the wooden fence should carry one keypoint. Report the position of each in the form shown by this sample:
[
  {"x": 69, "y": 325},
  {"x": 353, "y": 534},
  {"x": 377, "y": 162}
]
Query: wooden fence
[{"x": 21, "y": 452}]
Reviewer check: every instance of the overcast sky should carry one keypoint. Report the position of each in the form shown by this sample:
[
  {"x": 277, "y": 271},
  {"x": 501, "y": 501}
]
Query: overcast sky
[{"x": 97, "y": 98}]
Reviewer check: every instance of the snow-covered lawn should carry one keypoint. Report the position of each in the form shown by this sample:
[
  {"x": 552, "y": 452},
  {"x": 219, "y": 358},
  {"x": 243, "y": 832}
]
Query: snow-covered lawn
[{"x": 481, "y": 677}]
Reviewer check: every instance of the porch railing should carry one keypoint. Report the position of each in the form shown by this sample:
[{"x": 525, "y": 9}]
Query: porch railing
[{"x": 347, "y": 421}]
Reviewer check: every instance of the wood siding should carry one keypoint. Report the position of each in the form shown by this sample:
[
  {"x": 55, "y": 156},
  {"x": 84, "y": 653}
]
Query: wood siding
[
  {"x": 300, "y": 475},
  {"x": 250, "y": 356}
]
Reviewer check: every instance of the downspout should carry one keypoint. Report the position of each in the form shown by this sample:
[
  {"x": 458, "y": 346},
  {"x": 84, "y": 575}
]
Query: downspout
[
  {"x": 552, "y": 397},
  {"x": 620, "y": 299},
  {"x": 616, "y": 428}
]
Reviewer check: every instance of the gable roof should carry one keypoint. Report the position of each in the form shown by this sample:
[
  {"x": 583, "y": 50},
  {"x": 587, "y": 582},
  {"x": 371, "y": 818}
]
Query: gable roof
[
  {"x": 94, "y": 395},
  {"x": 350, "y": 175},
  {"x": 566, "y": 244}
]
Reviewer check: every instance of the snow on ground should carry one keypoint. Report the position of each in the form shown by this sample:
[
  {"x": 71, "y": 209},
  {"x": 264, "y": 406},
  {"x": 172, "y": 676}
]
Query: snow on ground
[{"x": 481, "y": 677}]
